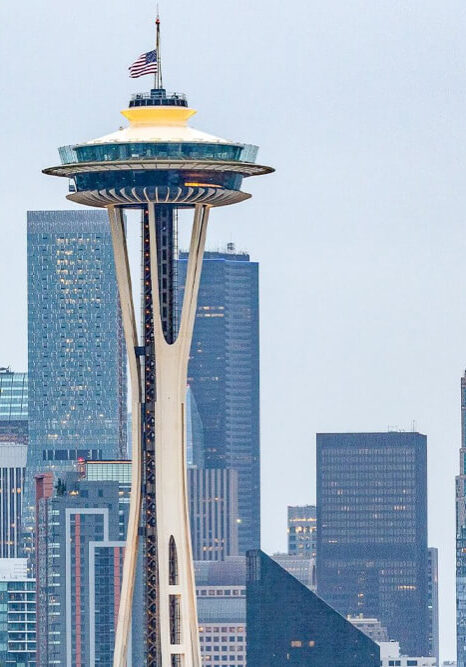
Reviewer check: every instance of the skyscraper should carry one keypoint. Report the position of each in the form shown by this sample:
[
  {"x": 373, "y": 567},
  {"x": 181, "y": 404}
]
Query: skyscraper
[
  {"x": 158, "y": 164},
  {"x": 12, "y": 475},
  {"x": 194, "y": 433},
  {"x": 17, "y": 614},
  {"x": 77, "y": 366},
  {"x": 303, "y": 568},
  {"x": 223, "y": 375},
  {"x": 302, "y": 530},
  {"x": 81, "y": 530},
  {"x": 221, "y": 600},
  {"x": 372, "y": 530},
  {"x": 461, "y": 538},
  {"x": 287, "y": 624},
  {"x": 433, "y": 606},
  {"x": 13, "y": 406},
  {"x": 213, "y": 513}
]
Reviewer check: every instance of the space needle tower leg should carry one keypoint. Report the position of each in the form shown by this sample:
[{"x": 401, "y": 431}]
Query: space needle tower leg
[
  {"x": 131, "y": 338},
  {"x": 179, "y": 642}
]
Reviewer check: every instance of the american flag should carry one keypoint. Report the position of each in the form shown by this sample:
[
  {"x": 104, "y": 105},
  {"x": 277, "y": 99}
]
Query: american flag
[{"x": 145, "y": 64}]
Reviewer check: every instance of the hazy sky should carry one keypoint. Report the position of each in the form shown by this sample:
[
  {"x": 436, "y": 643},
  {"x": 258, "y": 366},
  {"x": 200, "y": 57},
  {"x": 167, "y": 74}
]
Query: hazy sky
[{"x": 360, "y": 106}]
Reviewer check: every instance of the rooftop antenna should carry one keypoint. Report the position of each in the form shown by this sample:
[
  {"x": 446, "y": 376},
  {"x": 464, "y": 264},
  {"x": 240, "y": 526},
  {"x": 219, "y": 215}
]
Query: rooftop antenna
[{"x": 158, "y": 78}]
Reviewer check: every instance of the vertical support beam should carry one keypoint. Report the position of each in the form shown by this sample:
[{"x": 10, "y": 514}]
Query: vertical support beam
[
  {"x": 129, "y": 325},
  {"x": 152, "y": 643},
  {"x": 179, "y": 640}
]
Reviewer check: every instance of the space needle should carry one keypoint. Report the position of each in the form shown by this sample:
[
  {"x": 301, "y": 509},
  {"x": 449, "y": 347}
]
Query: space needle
[{"x": 159, "y": 165}]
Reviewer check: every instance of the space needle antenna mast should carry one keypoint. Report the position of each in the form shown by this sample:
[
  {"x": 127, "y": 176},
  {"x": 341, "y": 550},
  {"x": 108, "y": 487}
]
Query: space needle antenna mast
[
  {"x": 158, "y": 77},
  {"x": 159, "y": 165}
]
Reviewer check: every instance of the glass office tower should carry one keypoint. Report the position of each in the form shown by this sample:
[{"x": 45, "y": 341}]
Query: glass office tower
[
  {"x": 223, "y": 375},
  {"x": 77, "y": 366},
  {"x": 372, "y": 530},
  {"x": 13, "y": 406},
  {"x": 287, "y": 624}
]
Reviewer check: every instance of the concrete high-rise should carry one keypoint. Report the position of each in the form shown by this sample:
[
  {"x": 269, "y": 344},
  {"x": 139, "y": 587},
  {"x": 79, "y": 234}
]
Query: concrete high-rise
[
  {"x": 221, "y": 599},
  {"x": 372, "y": 530},
  {"x": 13, "y": 406},
  {"x": 158, "y": 164},
  {"x": 223, "y": 374},
  {"x": 213, "y": 513},
  {"x": 12, "y": 477},
  {"x": 77, "y": 367}
]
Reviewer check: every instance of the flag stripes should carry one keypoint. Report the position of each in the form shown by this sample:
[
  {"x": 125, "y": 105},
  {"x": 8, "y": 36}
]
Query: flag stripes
[{"x": 145, "y": 64}]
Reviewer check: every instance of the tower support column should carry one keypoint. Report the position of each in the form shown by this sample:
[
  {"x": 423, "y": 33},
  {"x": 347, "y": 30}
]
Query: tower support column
[
  {"x": 177, "y": 614},
  {"x": 123, "y": 275}
]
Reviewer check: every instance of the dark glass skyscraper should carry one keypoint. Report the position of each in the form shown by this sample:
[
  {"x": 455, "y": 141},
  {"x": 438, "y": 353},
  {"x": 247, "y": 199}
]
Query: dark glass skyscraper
[
  {"x": 372, "y": 530},
  {"x": 287, "y": 624},
  {"x": 461, "y": 538},
  {"x": 224, "y": 375},
  {"x": 77, "y": 367}
]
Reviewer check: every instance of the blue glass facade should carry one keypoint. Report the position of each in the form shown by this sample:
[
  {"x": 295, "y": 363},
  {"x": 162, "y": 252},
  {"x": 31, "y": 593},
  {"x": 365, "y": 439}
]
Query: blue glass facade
[
  {"x": 372, "y": 530},
  {"x": 13, "y": 406},
  {"x": 287, "y": 624},
  {"x": 102, "y": 180},
  {"x": 194, "y": 433},
  {"x": 77, "y": 366},
  {"x": 224, "y": 376},
  {"x": 159, "y": 151}
]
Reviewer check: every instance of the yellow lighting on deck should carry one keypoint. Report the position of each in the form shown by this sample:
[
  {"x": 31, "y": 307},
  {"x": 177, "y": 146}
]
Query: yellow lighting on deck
[{"x": 203, "y": 185}]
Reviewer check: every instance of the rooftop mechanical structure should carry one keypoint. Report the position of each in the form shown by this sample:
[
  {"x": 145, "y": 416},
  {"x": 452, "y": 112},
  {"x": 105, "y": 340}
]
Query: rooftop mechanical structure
[{"x": 159, "y": 165}]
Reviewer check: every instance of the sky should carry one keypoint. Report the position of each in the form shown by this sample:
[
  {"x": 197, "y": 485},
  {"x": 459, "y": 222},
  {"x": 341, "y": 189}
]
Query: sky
[{"x": 360, "y": 106}]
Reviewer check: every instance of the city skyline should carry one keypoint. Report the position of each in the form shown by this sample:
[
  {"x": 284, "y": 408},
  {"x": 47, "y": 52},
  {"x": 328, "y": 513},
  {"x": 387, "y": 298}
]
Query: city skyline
[{"x": 421, "y": 356}]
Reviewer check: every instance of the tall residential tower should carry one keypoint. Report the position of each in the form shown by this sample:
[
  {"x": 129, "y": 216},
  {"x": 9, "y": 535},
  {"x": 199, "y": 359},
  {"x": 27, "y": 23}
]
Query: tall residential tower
[{"x": 159, "y": 164}]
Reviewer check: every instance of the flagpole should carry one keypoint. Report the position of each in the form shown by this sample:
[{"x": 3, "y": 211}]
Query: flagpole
[{"x": 158, "y": 80}]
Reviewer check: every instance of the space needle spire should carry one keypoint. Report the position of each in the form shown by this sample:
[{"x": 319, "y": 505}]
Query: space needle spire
[{"x": 158, "y": 77}]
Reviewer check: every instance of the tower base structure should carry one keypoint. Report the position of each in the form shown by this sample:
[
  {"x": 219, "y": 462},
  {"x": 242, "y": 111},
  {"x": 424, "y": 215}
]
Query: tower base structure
[{"x": 175, "y": 610}]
